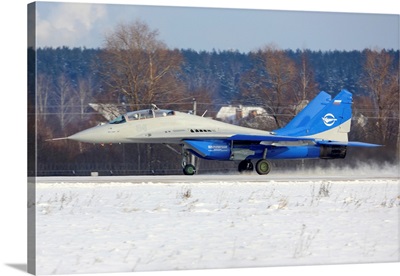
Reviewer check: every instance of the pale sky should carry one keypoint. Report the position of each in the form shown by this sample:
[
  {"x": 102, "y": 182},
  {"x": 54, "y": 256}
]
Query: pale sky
[{"x": 84, "y": 25}]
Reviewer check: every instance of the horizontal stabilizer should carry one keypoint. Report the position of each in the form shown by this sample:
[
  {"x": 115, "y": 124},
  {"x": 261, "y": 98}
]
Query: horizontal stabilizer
[{"x": 349, "y": 144}]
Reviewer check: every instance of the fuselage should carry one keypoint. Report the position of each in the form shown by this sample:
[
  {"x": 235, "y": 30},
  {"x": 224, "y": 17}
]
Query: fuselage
[
  {"x": 203, "y": 137},
  {"x": 161, "y": 126}
]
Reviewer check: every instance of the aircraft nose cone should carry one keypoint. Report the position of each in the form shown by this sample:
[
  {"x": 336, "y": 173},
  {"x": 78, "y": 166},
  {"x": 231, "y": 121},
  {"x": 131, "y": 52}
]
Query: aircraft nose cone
[
  {"x": 81, "y": 136},
  {"x": 90, "y": 135}
]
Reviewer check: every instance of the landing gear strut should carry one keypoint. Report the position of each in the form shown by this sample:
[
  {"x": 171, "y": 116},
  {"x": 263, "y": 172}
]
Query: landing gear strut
[{"x": 188, "y": 169}]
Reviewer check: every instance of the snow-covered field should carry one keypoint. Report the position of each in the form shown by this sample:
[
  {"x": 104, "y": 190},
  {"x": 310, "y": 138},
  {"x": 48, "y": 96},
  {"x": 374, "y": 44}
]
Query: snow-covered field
[{"x": 119, "y": 224}]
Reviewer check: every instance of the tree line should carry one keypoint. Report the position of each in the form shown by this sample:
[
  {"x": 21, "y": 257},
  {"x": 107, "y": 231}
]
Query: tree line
[{"x": 135, "y": 69}]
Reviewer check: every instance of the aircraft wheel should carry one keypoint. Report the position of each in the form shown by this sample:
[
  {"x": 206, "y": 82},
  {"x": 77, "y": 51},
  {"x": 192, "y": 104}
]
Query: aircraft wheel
[
  {"x": 245, "y": 166},
  {"x": 263, "y": 166},
  {"x": 189, "y": 169}
]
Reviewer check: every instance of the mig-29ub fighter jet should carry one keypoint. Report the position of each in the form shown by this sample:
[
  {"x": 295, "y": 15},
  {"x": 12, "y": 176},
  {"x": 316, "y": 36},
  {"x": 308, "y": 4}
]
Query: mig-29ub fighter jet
[{"x": 318, "y": 131}]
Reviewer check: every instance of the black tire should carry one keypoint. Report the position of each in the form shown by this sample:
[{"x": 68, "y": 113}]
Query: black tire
[
  {"x": 189, "y": 169},
  {"x": 263, "y": 167},
  {"x": 245, "y": 166}
]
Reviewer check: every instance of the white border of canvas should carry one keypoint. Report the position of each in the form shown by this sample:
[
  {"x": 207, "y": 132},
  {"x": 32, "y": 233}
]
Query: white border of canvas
[{"x": 13, "y": 199}]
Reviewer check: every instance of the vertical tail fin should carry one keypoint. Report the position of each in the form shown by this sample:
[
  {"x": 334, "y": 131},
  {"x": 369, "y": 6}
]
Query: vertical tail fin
[{"x": 323, "y": 118}]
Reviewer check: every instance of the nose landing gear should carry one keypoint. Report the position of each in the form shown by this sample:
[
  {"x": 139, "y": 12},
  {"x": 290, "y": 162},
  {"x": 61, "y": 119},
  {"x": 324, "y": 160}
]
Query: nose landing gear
[{"x": 188, "y": 169}]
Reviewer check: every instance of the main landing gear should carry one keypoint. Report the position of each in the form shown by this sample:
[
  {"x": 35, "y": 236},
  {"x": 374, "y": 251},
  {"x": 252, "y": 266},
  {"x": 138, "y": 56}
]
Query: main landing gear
[
  {"x": 262, "y": 166},
  {"x": 245, "y": 166}
]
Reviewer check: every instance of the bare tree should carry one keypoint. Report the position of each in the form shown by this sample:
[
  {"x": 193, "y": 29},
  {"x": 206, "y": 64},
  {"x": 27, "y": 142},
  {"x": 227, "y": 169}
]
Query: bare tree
[
  {"x": 42, "y": 95},
  {"x": 138, "y": 69},
  {"x": 139, "y": 66},
  {"x": 381, "y": 81},
  {"x": 306, "y": 86},
  {"x": 65, "y": 94},
  {"x": 85, "y": 93},
  {"x": 272, "y": 81}
]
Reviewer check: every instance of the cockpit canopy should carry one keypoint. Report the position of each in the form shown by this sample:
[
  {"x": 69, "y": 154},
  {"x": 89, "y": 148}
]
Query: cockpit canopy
[{"x": 142, "y": 114}]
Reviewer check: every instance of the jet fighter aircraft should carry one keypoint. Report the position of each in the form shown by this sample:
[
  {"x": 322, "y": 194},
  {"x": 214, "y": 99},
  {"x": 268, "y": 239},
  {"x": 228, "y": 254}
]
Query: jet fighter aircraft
[{"x": 320, "y": 130}]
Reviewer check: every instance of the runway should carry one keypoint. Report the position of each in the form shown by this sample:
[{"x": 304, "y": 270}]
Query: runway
[{"x": 253, "y": 178}]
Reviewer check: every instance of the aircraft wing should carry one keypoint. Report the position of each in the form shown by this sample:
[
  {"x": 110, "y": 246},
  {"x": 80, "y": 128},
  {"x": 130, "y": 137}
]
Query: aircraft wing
[
  {"x": 267, "y": 138},
  {"x": 279, "y": 138}
]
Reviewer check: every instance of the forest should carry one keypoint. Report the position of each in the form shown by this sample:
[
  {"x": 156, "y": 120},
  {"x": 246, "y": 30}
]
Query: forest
[{"x": 137, "y": 71}]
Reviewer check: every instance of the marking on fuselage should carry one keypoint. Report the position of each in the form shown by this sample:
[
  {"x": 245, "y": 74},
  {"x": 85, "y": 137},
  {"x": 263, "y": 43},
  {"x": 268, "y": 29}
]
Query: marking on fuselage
[{"x": 212, "y": 148}]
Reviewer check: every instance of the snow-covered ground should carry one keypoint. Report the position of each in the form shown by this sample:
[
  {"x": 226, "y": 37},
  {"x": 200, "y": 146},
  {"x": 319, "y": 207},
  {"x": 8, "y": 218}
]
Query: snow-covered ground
[{"x": 119, "y": 224}]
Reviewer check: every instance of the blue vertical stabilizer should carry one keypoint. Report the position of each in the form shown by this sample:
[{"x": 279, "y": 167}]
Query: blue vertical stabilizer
[{"x": 323, "y": 118}]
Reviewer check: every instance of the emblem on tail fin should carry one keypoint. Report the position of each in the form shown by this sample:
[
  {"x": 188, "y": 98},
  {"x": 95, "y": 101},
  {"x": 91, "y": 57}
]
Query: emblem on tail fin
[{"x": 329, "y": 119}]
